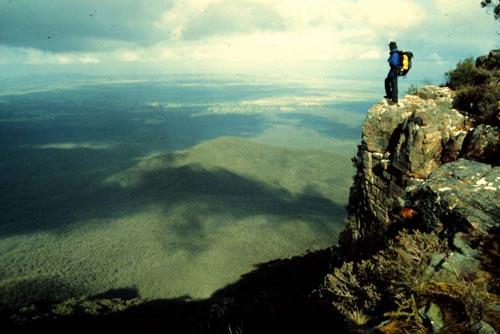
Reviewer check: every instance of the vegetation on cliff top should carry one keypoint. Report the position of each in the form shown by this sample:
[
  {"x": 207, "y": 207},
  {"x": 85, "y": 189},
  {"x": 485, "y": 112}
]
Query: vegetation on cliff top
[
  {"x": 403, "y": 284},
  {"x": 495, "y": 4},
  {"x": 477, "y": 86}
]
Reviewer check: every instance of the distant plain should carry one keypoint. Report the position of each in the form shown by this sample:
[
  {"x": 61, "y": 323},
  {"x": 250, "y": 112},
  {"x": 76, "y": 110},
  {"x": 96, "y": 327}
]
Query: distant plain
[{"x": 170, "y": 188}]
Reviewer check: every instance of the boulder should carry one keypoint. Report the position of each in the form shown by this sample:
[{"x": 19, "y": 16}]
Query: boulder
[
  {"x": 483, "y": 144},
  {"x": 462, "y": 196}
]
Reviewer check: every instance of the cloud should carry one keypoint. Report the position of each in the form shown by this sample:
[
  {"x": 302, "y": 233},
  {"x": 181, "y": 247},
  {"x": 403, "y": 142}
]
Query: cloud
[
  {"x": 32, "y": 56},
  {"x": 389, "y": 14},
  {"x": 347, "y": 14},
  {"x": 63, "y": 60},
  {"x": 436, "y": 57},
  {"x": 66, "y": 25},
  {"x": 129, "y": 56},
  {"x": 454, "y": 29},
  {"x": 230, "y": 17},
  {"x": 88, "y": 60},
  {"x": 371, "y": 54},
  {"x": 239, "y": 35},
  {"x": 455, "y": 10}
]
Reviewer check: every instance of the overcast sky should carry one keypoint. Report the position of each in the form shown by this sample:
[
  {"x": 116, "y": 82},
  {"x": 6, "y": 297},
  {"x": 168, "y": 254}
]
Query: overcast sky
[{"x": 237, "y": 36}]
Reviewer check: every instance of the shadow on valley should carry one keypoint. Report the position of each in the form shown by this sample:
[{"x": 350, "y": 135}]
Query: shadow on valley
[
  {"x": 40, "y": 289},
  {"x": 57, "y": 148},
  {"x": 276, "y": 297},
  {"x": 221, "y": 192},
  {"x": 51, "y": 170}
]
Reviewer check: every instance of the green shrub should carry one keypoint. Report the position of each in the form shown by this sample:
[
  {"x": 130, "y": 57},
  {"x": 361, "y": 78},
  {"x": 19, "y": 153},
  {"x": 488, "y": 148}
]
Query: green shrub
[
  {"x": 468, "y": 295},
  {"x": 412, "y": 90},
  {"x": 480, "y": 101},
  {"x": 399, "y": 283},
  {"x": 351, "y": 292},
  {"x": 466, "y": 73},
  {"x": 72, "y": 308},
  {"x": 477, "y": 87},
  {"x": 397, "y": 273}
]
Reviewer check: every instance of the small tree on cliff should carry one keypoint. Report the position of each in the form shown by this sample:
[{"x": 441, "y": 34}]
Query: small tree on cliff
[{"x": 495, "y": 4}]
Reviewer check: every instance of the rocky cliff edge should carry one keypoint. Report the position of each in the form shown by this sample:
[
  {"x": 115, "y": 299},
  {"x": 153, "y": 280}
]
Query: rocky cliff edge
[
  {"x": 416, "y": 150},
  {"x": 423, "y": 221}
]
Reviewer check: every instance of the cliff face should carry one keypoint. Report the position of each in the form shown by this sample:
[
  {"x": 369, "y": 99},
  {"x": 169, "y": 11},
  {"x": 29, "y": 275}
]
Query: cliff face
[
  {"x": 422, "y": 236},
  {"x": 403, "y": 162}
]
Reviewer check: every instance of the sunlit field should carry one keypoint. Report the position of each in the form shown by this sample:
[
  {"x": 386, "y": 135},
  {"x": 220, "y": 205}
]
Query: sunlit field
[{"x": 169, "y": 188}]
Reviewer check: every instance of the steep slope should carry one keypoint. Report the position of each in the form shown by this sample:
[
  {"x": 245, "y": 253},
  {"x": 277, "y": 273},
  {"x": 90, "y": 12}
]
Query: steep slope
[
  {"x": 423, "y": 226},
  {"x": 185, "y": 223},
  {"x": 401, "y": 146}
]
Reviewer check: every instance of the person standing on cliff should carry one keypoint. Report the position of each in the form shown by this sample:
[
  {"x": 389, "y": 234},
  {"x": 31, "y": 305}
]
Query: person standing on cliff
[{"x": 391, "y": 81}]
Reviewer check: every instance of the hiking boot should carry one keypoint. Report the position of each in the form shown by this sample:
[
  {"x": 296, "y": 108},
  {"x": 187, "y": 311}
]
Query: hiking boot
[{"x": 392, "y": 102}]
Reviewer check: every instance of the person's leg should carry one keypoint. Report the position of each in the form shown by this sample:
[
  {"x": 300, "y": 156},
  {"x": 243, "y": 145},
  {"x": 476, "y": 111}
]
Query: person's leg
[
  {"x": 387, "y": 83},
  {"x": 394, "y": 88}
]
